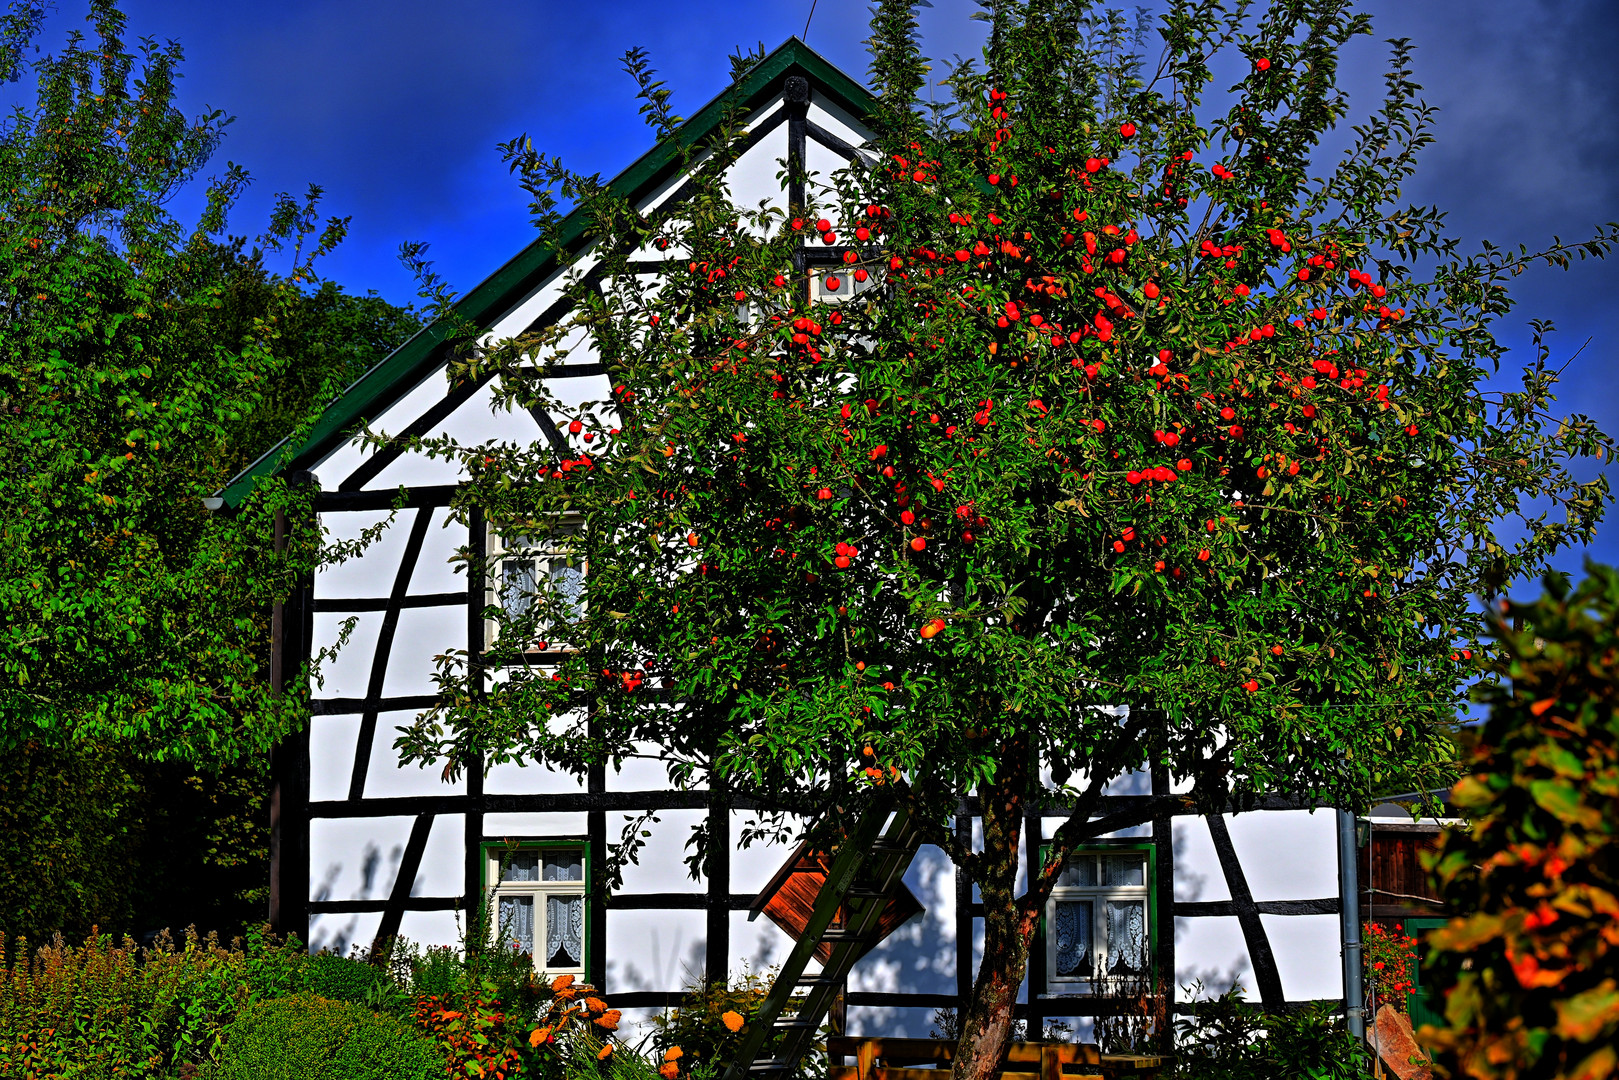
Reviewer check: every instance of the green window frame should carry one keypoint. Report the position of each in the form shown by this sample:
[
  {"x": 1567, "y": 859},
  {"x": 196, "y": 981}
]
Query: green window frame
[
  {"x": 1105, "y": 903},
  {"x": 538, "y": 881},
  {"x": 531, "y": 554},
  {"x": 1426, "y": 1002}
]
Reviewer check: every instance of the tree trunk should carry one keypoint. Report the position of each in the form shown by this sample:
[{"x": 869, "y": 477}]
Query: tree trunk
[{"x": 986, "y": 1030}]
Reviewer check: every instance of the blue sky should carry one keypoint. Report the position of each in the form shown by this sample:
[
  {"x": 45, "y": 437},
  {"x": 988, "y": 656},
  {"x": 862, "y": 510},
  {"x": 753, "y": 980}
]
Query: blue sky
[{"x": 395, "y": 109}]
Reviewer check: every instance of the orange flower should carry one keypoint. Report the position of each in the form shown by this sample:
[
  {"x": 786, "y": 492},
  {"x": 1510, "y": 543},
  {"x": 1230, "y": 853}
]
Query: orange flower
[
  {"x": 540, "y": 1036},
  {"x": 605, "y": 1052},
  {"x": 669, "y": 1070},
  {"x": 595, "y": 1004},
  {"x": 609, "y": 1019},
  {"x": 732, "y": 1019},
  {"x": 561, "y": 982},
  {"x": 674, "y": 1053}
]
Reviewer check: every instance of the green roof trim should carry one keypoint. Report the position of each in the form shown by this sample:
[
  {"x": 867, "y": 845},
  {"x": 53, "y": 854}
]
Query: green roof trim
[{"x": 407, "y": 365}]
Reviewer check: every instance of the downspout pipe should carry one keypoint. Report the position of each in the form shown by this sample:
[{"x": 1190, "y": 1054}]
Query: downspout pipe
[{"x": 1349, "y": 918}]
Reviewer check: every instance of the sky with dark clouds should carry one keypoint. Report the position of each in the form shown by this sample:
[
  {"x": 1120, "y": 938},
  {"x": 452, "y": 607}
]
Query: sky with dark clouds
[{"x": 395, "y": 108}]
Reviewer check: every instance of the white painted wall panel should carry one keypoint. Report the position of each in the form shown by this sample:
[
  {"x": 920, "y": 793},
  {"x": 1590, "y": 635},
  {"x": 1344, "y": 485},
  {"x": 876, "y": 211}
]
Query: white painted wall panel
[
  {"x": 646, "y": 771},
  {"x": 331, "y": 756},
  {"x": 386, "y": 778},
  {"x": 1307, "y": 955},
  {"x": 342, "y": 933},
  {"x": 544, "y": 826},
  {"x": 756, "y": 946},
  {"x": 511, "y": 778},
  {"x": 753, "y": 867},
  {"x": 442, "y": 870},
  {"x": 355, "y": 858},
  {"x": 661, "y": 867},
  {"x": 419, "y": 636},
  {"x": 427, "y": 928},
  {"x": 347, "y": 674},
  {"x": 835, "y": 119},
  {"x": 434, "y": 572},
  {"x": 1287, "y": 854},
  {"x": 371, "y": 573},
  {"x": 753, "y": 177},
  {"x": 1211, "y": 950},
  {"x": 1197, "y": 865},
  {"x": 654, "y": 950}
]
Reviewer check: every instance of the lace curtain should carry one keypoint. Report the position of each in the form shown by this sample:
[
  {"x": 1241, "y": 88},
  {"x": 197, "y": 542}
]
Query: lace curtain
[
  {"x": 1074, "y": 950},
  {"x": 564, "y": 931}
]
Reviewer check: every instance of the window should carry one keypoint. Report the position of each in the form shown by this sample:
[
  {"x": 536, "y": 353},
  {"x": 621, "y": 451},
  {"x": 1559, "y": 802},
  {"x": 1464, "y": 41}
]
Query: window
[
  {"x": 545, "y": 567},
  {"x": 1099, "y": 920},
  {"x": 539, "y": 903}
]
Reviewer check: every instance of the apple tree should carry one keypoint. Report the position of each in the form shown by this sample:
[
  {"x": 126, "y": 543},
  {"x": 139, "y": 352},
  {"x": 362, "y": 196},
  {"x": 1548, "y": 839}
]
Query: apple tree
[{"x": 1114, "y": 395}]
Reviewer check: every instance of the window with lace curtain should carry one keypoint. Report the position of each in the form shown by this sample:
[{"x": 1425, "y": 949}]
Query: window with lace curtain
[
  {"x": 1099, "y": 921},
  {"x": 536, "y": 565},
  {"x": 538, "y": 897}
]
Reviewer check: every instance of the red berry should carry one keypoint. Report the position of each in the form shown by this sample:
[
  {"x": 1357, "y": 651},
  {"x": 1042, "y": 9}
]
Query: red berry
[
  {"x": 917, "y": 544},
  {"x": 1127, "y": 130},
  {"x": 1262, "y": 64}
]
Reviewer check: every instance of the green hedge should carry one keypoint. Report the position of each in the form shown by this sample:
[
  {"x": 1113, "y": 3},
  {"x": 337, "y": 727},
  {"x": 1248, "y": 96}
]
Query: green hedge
[{"x": 303, "y": 1037}]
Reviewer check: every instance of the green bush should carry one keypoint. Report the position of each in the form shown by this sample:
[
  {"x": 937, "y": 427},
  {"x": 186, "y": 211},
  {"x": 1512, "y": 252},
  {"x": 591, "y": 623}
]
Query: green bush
[
  {"x": 303, "y": 1037},
  {"x": 1226, "y": 1038},
  {"x": 339, "y": 978},
  {"x": 104, "y": 1009}
]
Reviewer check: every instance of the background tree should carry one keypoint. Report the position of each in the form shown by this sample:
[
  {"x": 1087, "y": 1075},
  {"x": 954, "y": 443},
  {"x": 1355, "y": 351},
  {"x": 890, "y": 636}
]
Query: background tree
[
  {"x": 1532, "y": 973},
  {"x": 1125, "y": 406},
  {"x": 140, "y": 365}
]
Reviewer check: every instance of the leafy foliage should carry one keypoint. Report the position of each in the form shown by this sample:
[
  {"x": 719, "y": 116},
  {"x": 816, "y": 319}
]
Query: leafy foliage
[
  {"x": 1532, "y": 975},
  {"x": 141, "y": 363},
  {"x": 1390, "y": 961},
  {"x": 1227, "y": 1038},
  {"x": 303, "y": 1037},
  {"x": 92, "y": 836},
  {"x": 704, "y": 1032},
  {"x": 101, "y": 1009},
  {"x": 1100, "y": 395}
]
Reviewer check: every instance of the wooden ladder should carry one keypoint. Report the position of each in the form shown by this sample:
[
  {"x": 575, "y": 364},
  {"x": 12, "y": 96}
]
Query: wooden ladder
[{"x": 862, "y": 878}]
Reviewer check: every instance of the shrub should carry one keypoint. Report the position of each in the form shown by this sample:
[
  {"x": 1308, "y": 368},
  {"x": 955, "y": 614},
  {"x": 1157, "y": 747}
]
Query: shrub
[
  {"x": 101, "y": 1009},
  {"x": 708, "y": 1028},
  {"x": 1533, "y": 971},
  {"x": 1228, "y": 1039},
  {"x": 303, "y": 1037},
  {"x": 340, "y": 978}
]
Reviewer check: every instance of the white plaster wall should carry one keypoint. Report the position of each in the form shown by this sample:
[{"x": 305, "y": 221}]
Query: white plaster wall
[
  {"x": 442, "y": 872},
  {"x": 654, "y": 950},
  {"x": 385, "y": 777},
  {"x": 661, "y": 866},
  {"x": 356, "y": 858},
  {"x": 349, "y": 672},
  {"x": 539, "y": 825},
  {"x": 1308, "y": 955},
  {"x": 1197, "y": 865},
  {"x": 434, "y": 572},
  {"x": 1212, "y": 950},
  {"x": 343, "y": 933},
  {"x": 331, "y": 755},
  {"x": 753, "y": 178},
  {"x": 1287, "y": 854},
  {"x": 472, "y": 423},
  {"x": 832, "y": 116},
  {"x": 511, "y": 778},
  {"x": 426, "y": 928},
  {"x": 372, "y": 573},
  {"x": 419, "y": 635}
]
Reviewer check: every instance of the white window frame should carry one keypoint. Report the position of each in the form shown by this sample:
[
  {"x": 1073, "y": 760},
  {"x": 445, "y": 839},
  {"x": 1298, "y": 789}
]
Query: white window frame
[
  {"x": 539, "y": 891},
  {"x": 1098, "y": 982},
  {"x": 548, "y": 548}
]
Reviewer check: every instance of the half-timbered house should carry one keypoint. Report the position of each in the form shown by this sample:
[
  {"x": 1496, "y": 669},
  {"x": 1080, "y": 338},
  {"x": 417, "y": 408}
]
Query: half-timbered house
[{"x": 364, "y": 849}]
